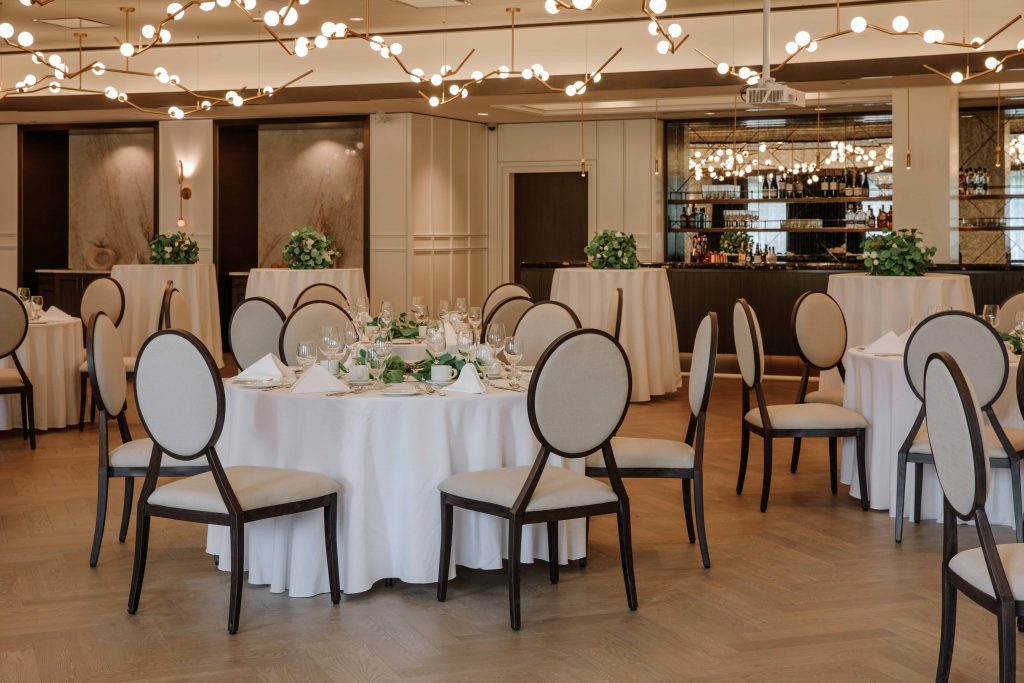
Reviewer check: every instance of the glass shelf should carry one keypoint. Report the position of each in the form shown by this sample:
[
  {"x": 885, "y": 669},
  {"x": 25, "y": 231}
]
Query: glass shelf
[{"x": 788, "y": 200}]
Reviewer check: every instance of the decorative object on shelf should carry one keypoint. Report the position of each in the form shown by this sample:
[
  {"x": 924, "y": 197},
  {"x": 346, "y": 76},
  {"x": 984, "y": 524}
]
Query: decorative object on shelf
[
  {"x": 734, "y": 242},
  {"x": 612, "y": 249},
  {"x": 101, "y": 257},
  {"x": 308, "y": 249},
  {"x": 174, "y": 249},
  {"x": 897, "y": 252}
]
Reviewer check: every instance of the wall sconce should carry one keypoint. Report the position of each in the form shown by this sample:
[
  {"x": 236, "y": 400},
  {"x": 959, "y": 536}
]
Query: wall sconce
[{"x": 183, "y": 194}]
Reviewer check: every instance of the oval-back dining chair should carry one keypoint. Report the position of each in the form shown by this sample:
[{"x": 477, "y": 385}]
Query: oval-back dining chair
[
  {"x": 1006, "y": 321},
  {"x": 304, "y": 323},
  {"x": 322, "y": 291},
  {"x": 13, "y": 330},
  {"x": 502, "y": 293},
  {"x": 614, "y": 326},
  {"x": 508, "y": 313},
  {"x": 174, "y": 312},
  {"x": 104, "y": 295},
  {"x": 255, "y": 330},
  {"x": 542, "y": 324}
]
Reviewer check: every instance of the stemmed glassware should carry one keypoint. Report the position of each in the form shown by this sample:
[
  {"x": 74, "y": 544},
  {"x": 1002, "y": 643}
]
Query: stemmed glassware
[
  {"x": 362, "y": 318},
  {"x": 466, "y": 340},
  {"x": 495, "y": 339},
  {"x": 305, "y": 353},
  {"x": 474, "y": 317},
  {"x": 24, "y": 294},
  {"x": 419, "y": 311},
  {"x": 437, "y": 344},
  {"x": 513, "y": 350},
  {"x": 380, "y": 352},
  {"x": 443, "y": 310},
  {"x": 990, "y": 313},
  {"x": 386, "y": 317},
  {"x": 460, "y": 308},
  {"x": 331, "y": 345},
  {"x": 36, "y": 307},
  {"x": 350, "y": 338}
]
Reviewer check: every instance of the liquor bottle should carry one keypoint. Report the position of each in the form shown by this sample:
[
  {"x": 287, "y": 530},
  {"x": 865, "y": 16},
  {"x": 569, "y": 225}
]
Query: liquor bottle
[
  {"x": 871, "y": 219},
  {"x": 702, "y": 219},
  {"x": 790, "y": 189},
  {"x": 774, "y": 191},
  {"x": 865, "y": 189},
  {"x": 882, "y": 219},
  {"x": 841, "y": 190},
  {"x": 765, "y": 189},
  {"x": 799, "y": 186},
  {"x": 833, "y": 186},
  {"x": 888, "y": 217},
  {"x": 984, "y": 181}
]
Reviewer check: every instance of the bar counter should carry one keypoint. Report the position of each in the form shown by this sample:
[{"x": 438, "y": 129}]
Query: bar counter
[{"x": 771, "y": 290}]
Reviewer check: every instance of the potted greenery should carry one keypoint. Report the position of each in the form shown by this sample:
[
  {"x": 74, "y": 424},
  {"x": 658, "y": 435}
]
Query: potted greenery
[
  {"x": 612, "y": 249},
  {"x": 897, "y": 253},
  {"x": 174, "y": 249},
  {"x": 308, "y": 249}
]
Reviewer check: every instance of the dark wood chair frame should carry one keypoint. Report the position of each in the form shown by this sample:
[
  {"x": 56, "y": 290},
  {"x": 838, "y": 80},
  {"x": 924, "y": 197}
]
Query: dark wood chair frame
[
  {"x": 695, "y": 439},
  {"x": 84, "y": 383},
  {"x": 28, "y": 406},
  {"x": 106, "y": 472},
  {"x": 490, "y": 316},
  {"x": 284, "y": 325},
  {"x": 618, "y": 313},
  {"x": 518, "y": 516},
  {"x": 265, "y": 300},
  {"x": 769, "y": 433},
  {"x": 317, "y": 284},
  {"x": 572, "y": 313},
  {"x": 164, "y": 321},
  {"x": 235, "y": 518},
  {"x": 527, "y": 294},
  {"x": 1008, "y": 611},
  {"x": 919, "y": 460},
  {"x": 805, "y": 377}
]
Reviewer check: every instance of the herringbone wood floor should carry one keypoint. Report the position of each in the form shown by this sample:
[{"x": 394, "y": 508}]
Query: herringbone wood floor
[{"x": 813, "y": 590}]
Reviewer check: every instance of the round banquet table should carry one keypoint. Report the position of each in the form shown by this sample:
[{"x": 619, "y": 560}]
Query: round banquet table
[
  {"x": 877, "y": 387},
  {"x": 50, "y": 356},
  {"x": 283, "y": 285},
  {"x": 143, "y": 292},
  {"x": 874, "y": 305},
  {"x": 648, "y": 332},
  {"x": 389, "y": 454}
]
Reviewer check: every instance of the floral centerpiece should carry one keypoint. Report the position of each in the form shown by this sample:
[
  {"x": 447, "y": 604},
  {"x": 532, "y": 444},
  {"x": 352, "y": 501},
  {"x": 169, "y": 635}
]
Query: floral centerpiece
[
  {"x": 734, "y": 242},
  {"x": 421, "y": 371},
  {"x": 173, "y": 249},
  {"x": 308, "y": 249},
  {"x": 612, "y": 249},
  {"x": 1015, "y": 339},
  {"x": 397, "y": 369},
  {"x": 897, "y": 252},
  {"x": 402, "y": 327}
]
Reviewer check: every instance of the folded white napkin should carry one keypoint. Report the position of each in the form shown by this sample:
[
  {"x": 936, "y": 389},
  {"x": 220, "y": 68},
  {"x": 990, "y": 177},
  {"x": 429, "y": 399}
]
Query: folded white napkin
[
  {"x": 268, "y": 367},
  {"x": 468, "y": 381},
  {"x": 55, "y": 313},
  {"x": 317, "y": 380},
  {"x": 888, "y": 344}
]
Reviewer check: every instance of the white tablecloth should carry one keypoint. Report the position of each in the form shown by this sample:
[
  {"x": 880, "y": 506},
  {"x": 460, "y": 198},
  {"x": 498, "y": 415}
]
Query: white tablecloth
[
  {"x": 283, "y": 285},
  {"x": 877, "y": 387},
  {"x": 143, "y": 292},
  {"x": 389, "y": 454},
  {"x": 648, "y": 322},
  {"x": 413, "y": 351},
  {"x": 50, "y": 355},
  {"x": 874, "y": 305}
]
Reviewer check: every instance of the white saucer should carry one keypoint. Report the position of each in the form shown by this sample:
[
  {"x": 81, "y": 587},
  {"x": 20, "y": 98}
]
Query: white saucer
[
  {"x": 440, "y": 383},
  {"x": 399, "y": 390}
]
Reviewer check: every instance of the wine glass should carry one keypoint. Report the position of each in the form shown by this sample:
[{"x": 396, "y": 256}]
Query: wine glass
[
  {"x": 466, "y": 341},
  {"x": 514, "y": 350},
  {"x": 377, "y": 361},
  {"x": 305, "y": 354},
  {"x": 24, "y": 294},
  {"x": 495, "y": 339},
  {"x": 990, "y": 313},
  {"x": 460, "y": 306},
  {"x": 330, "y": 343},
  {"x": 437, "y": 344},
  {"x": 37, "y": 307},
  {"x": 418, "y": 310},
  {"x": 443, "y": 309},
  {"x": 386, "y": 317},
  {"x": 474, "y": 317},
  {"x": 1018, "y": 321}
]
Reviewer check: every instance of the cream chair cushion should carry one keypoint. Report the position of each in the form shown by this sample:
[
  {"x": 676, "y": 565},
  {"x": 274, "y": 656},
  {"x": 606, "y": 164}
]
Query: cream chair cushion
[
  {"x": 129, "y": 365},
  {"x": 833, "y": 396},
  {"x": 638, "y": 453},
  {"x": 136, "y": 454},
  {"x": 558, "y": 488},
  {"x": 809, "y": 416},
  {"x": 9, "y": 377},
  {"x": 993, "y": 448},
  {"x": 254, "y": 487},
  {"x": 970, "y": 566}
]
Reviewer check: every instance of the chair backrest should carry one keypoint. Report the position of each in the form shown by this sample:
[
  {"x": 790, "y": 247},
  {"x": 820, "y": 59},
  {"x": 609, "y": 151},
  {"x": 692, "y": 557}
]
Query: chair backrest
[
  {"x": 1008, "y": 311},
  {"x": 104, "y": 354},
  {"x": 541, "y": 324},
  {"x": 977, "y": 349},
  {"x": 508, "y": 312},
  {"x": 749, "y": 346},
  {"x": 322, "y": 291},
  {"x": 304, "y": 323},
  {"x": 179, "y": 394},
  {"x": 615, "y": 313},
  {"x": 579, "y": 393},
  {"x": 255, "y": 330},
  {"x": 174, "y": 313},
  {"x": 819, "y": 330},
  {"x": 13, "y": 322},
  {"x": 502, "y": 293},
  {"x": 702, "y": 363},
  {"x": 103, "y": 295},
  {"x": 954, "y": 431}
]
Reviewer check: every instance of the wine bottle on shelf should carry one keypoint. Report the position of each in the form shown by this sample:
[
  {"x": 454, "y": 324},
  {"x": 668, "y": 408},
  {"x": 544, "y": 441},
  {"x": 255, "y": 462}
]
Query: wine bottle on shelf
[
  {"x": 799, "y": 186},
  {"x": 764, "y": 187},
  {"x": 833, "y": 186},
  {"x": 841, "y": 190},
  {"x": 871, "y": 219},
  {"x": 790, "y": 189},
  {"x": 702, "y": 219},
  {"x": 984, "y": 181},
  {"x": 774, "y": 192}
]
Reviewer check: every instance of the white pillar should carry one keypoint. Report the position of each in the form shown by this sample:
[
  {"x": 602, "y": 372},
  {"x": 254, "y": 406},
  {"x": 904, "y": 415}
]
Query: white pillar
[
  {"x": 926, "y": 121},
  {"x": 190, "y": 142}
]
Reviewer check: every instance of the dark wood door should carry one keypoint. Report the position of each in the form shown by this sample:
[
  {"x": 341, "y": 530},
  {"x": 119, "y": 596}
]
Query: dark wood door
[{"x": 549, "y": 217}]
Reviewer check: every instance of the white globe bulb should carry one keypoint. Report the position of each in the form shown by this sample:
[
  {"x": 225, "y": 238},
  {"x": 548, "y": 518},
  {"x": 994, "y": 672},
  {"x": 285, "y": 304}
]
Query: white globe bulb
[
  {"x": 802, "y": 38},
  {"x": 743, "y": 72},
  {"x": 597, "y": 77},
  {"x": 290, "y": 17},
  {"x": 476, "y": 75},
  {"x": 812, "y": 46},
  {"x": 127, "y": 49},
  {"x": 570, "y": 90},
  {"x": 54, "y": 87},
  {"x": 675, "y": 30},
  {"x": 900, "y": 24},
  {"x": 791, "y": 48},
  {"x": 435, "y": 79},
  {"x": 956, "y": 77},
  {"x": 551, "y": 7},
  {"x": 271, "y": 18},
  {"x": 99, "y": 68},
  {"x": 527, "y": 74},
  {"x": 433, "y": 101},
  {"x": 25, "y": 39},
  {"x": 327, "y": 28},
  {"x": 753, "y": 80},
  {"x": 722, "y": 68},
  {"x": 6, "y": 30},
  {"x": 165, "y": 36},
  {"x": 111, "y": 92},
  {"x": 173, "y": 8},
  {"x": 148, "y": 31},
  {"x": 663, "y": 47},
  {"x": 320, "y": 42},
  {"x": 657, "y": 6},
  {"x": 582, "y": 4},
  {"x": 939, "y": 36},
  {"x": 858, "y": 24},
  {"x": 977, "y": 42},
  {"x": 207, "y": 6},
  {"x": 223, "y": 3},
  {"x": 929, "y": 36},
  {"x": 453, "y": 89},
  {"x": 396, "y": 48},
  {"x": 991, "y": 63}
]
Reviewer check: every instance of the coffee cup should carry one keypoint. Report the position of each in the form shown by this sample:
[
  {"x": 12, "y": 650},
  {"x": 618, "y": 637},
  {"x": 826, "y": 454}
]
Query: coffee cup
[{"x": 441, "y": 373}]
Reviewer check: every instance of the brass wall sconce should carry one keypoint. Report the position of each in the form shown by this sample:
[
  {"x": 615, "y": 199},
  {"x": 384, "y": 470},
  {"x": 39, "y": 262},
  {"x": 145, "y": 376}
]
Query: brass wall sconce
[{"x": 183, "y": 194}]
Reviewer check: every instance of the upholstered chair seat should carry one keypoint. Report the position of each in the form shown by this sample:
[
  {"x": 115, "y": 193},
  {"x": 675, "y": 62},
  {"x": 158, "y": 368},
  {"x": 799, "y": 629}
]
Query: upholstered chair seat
[
  {"x": 9, "y": 377},
  {"x": 638, "y": 453},
  {"x": 809, "y": 416},
  {"x": 103, "y": 295},
  {"x": 831, "y": 396},
  {"x": 558, "y": 488},
  {"x": 14, "y": 380},
  {"x": 135, "y": 454},
  {"x": 970, "y": 566},
  {"x": 993, "y": 448},
  {"x": 254, "y": 487}
]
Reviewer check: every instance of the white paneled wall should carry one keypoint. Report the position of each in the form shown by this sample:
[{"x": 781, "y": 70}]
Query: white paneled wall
[
  {"x": 389, "y": 209},
  {"x": 191, "y": 142},
  {"x": 9, "y": 207}
]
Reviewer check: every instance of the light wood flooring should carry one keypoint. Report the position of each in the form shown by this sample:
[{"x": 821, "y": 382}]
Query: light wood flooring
[{"x": 813, "y": 590}]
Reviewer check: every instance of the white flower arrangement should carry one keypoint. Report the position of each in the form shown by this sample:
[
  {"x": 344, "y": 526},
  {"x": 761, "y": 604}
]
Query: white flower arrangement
[
  {"x": 175, "y": 248},
  {"x": 308, "y": 249}
]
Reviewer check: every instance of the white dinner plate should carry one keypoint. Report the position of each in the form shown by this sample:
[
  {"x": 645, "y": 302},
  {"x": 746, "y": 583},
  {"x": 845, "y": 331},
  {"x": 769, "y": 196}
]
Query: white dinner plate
[
  {"x": 400, "y": 390},
  {"x": 358, "y": 382},
  {"x": 257, "y": 383},
  {"x": 440, "y": 383}
]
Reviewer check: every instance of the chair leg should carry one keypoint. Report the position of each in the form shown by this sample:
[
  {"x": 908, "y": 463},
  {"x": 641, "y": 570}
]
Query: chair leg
[
  {"x": 744, "y": 450},
  {"x": 626, "y": 551},
  {"x": 918, "y": 482},
  {"x": 766, "y": 484},
  {"x": 31, "y": 420},
  {"x": 901, "y": 492},
  {"x": 1007, "y": 646},
  {"x": 688, "y": 510},
  {"x": 833, "y": 463},
  {"x": 698, "y": 495},
  {"x": 101, "y": 517},
  {"x": 331, "y": 543},
  {"x": 83, "y": 386},
  {"x": 23, "y": 397},
  {"x": 1015, "y": 487},
  {"x": 515, "y": 540},
  {"x": 948, "y": 631},
  {"x": 796, "y": 455},
  {"x": 126, "y": 511},
  {"x": 447, "y": 518},
  {"x": 237, "y": 575},
  {"x": 141, "y": 550},
  {"x": 586, "y": 545},
  {"x": 553, "y": 551},
  {"x": 862, "y": 469},
  {"x": 92, "y": 409}
]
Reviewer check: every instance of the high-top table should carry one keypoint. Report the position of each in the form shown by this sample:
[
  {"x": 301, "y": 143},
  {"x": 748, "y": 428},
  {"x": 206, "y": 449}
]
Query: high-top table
[
  {"x": 143, "y": 286},
  {"x": 283, "y": 285},
  {"x": 648, "y": 332},
  {"x": 50, "y": 356}
]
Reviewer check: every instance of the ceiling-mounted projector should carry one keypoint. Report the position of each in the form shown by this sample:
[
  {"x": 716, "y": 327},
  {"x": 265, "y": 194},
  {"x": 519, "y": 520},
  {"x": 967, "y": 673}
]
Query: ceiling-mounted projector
[{"x": 769, "y": 93}]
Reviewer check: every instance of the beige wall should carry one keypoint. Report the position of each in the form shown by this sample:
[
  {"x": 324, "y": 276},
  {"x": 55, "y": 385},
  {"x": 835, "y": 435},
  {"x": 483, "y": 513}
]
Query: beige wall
[
  {"x": 9, "y": 207},
  {"x": 190, "y": 141}
]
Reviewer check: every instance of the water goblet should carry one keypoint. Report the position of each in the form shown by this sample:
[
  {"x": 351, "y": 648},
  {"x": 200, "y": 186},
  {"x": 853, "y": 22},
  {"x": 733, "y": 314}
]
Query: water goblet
[
  {"x": 474, "y": 317},
  {"x": 990, "y": 313},
  {"x": 305, "y": 354},
  {"x": 436, "y": 342},
  {"x": 24, "y": 294},
  {"x": 377, "y": 361},
  {"x": 460, "y": 306},
  {"x": 514, "y": 350},
  {"x": 36, "y": 303},
  {"x": 443, "y": 309},
  {"x": 495, "y": 339},
  {"x": 330, "y": 344},
  {"x": 466, "y": 341}
]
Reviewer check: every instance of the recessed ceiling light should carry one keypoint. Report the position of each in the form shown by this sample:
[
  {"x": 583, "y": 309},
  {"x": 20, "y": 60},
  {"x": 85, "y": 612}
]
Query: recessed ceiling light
[
  {"x": 355, "y": 19},
  {"x": 709, "y": 113},
  {"x": 482, "y": 113}
]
